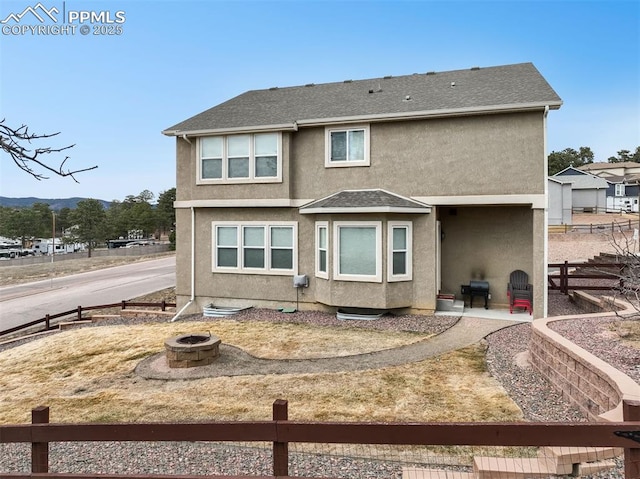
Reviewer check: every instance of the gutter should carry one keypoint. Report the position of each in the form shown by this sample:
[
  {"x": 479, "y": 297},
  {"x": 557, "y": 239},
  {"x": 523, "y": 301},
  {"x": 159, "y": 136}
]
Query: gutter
[
  {"x": 193, "y": 266},
  {"x": 398, "y": 116}
]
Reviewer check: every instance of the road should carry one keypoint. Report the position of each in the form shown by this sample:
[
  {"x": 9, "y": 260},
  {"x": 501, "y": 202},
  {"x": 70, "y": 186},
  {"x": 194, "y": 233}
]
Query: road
[{"x": 23, "y": 303}]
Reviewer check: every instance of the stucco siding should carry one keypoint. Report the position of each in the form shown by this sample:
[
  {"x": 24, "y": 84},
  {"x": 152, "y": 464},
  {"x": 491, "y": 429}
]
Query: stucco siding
[
  {"x": 486, "y": 243},
  {"x": 188, "y": 189},
  {"x": 492, "y": 155}
]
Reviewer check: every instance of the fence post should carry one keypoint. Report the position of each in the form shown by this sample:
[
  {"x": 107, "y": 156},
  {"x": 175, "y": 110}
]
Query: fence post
[
  {"x": 79, "y": 313},
  {"x": 280, "y": 449},
  {"x": 124, "y": 304},
  {"x": 40, "y": 450},
  {"x": 631, "y": 412},
  {"x": 564, "y": 278},
  {"x": 164, "y": 305},
  {"x": 47, "y": 322}
]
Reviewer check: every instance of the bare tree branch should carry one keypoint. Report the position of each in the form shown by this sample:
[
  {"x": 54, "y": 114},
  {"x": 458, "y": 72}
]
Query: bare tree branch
[{"x": 12, "y": 142}]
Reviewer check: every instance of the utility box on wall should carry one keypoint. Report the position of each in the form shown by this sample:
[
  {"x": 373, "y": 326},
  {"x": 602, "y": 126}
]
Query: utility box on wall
[{"x": 300, "y": 281}]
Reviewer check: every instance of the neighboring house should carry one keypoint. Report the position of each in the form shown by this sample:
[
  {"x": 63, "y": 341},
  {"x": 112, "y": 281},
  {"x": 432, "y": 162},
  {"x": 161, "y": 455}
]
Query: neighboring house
[
  {"x": 384, "y": 192},
  {"x": 559, "y": 211},
  {"x": 623, "y": 179},
  {"x": 588, "y": 192}
]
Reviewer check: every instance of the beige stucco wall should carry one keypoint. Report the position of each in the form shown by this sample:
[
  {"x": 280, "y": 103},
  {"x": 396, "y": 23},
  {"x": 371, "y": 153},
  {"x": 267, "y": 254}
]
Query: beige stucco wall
[
  {"x": 230, "y": 289},
  {"x": 187, "y": 189},
  {"x": 486, "y": 243},
  {"x": 492, "y": 155}
]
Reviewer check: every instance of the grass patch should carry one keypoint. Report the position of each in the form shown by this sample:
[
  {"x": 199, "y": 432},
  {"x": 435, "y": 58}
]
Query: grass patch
[{"x": 86, "y": 375}]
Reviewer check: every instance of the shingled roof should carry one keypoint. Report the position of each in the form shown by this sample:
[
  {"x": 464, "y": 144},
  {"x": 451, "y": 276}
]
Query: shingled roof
[
  {"x": 365, "y": 201},
  {"x": 476, "y": 90}
]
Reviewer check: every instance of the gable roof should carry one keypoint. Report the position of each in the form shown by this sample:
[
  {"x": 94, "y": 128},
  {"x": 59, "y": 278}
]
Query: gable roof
[
  {"x": 365, "y": 201},
  {"x": 602, "y": 165},
  {"x": 583, "y": 181},
  {"x": 461, "y": 92},
  {"x": 570, "y": 170}
]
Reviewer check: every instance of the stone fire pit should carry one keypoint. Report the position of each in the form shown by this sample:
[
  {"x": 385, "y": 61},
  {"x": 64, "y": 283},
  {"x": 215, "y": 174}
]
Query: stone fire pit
[{"x": 192, "y": 350}]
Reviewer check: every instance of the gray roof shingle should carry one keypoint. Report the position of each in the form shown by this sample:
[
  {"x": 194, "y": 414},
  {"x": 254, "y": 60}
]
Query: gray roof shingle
[
  {"x": 369, "y": 200},
  {"x": 458, "y": 91}
]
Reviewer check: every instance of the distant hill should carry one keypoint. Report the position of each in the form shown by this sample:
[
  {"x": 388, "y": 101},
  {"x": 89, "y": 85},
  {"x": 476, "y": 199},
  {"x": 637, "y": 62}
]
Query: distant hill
[{"x": 55, "y": 204}]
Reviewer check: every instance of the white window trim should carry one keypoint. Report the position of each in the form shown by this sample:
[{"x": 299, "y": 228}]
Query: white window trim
[
  {"x": 620, "y": 190},
  {"x": 225, "y": 164},
  {"x": 377, "y": 277},
  {"x": 408, "y": 276},
  {"x": 345, "y": 164},
  {"x": 319, "y": 225},
  {"x": 240, "y": 269}
]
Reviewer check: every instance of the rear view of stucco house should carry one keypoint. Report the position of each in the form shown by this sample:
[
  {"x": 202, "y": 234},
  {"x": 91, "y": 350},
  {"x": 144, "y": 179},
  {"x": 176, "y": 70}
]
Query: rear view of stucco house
[{"x": 382, "y": 192}]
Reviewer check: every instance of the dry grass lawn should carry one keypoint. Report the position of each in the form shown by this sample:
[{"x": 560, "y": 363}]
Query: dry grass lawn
[{"x": 86, "y": 375}]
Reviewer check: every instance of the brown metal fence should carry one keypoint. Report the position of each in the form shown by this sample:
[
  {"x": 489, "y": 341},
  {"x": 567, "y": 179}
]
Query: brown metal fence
[
  {"x": 77, "y": 312},
  {"x": 281, "y": 432}
]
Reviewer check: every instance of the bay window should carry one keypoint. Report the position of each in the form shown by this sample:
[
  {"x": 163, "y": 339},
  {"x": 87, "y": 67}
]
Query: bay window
[
  {"x": 399, "y": 260},
  {"x": 322, "y": 249},
  {"x": 358, "y": 251}
]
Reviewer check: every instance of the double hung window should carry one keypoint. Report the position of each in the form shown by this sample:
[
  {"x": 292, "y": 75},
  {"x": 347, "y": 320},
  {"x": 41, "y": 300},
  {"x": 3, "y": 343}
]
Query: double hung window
[
  {"x": 254, "y": 247},
  {"x": 399, "y": 251},
  {"x": 322, "y": 249},
  {"x": 240, "y": 158}
]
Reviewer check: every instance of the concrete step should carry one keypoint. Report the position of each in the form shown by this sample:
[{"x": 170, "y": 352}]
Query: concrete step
[
  {"x": 562, "y": 459},
  {"x": 588, "y": 468},
  {"x": 419, "y": 473},
  {"x": 449, "y": 305},
  {"x": 510, "y": 467}
]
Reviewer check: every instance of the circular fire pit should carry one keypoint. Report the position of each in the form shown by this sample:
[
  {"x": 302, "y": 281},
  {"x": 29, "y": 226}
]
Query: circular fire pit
[{"x": 192, "y": 350}]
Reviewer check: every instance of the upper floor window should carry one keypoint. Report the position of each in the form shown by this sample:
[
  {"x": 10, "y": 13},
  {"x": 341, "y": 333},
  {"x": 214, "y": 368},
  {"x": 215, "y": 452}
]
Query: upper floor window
[
  {"x": 240, "y": 158},
  {"x": 620, "y": 190},
  {"x": 346, "y": 147}
]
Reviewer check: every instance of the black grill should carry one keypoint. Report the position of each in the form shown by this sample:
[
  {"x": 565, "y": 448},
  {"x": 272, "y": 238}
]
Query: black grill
[{"x": 476, "y": 288}]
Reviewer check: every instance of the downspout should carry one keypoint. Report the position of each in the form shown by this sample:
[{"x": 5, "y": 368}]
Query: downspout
[
  {"x": 193, "y": 265},
  {"x": 545, "y": 292}
]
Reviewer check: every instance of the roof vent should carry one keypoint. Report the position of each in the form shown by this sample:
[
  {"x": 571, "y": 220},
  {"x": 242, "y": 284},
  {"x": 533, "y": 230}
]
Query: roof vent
[
  {"x": 348, "y": 81},
  {"x": 273, "y": 88},
  {"x": 453, "y": 84},
  {"x": 475, "y": 68},
  {"x": 310, "y": 84},
  {"x": 371, "y": 90},
  {"x": 431, "y": 73},
  {"x": 387, "y": 77},
  {"x": 407, "y": 98}
]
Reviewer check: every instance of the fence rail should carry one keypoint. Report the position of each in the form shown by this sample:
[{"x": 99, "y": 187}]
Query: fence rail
[
  {"x": 280, "y": 432},
  {"x": 613, "y": 227},
  {"x": 566, "y": 277},
  {"x": 163, "y": 305}
]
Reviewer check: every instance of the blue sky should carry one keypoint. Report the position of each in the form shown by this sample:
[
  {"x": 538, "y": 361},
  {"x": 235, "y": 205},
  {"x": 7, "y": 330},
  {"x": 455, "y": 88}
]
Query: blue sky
[{"x": 112, "y": 95}]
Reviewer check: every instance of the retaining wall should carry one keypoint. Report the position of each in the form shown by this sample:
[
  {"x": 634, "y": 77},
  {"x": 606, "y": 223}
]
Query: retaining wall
[{"x": 594, "y": 386}]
